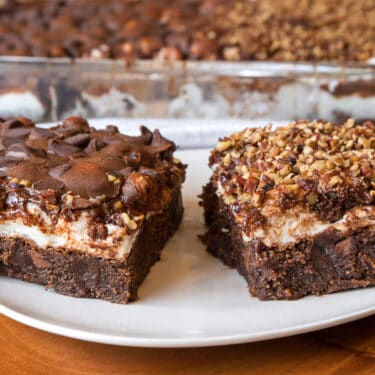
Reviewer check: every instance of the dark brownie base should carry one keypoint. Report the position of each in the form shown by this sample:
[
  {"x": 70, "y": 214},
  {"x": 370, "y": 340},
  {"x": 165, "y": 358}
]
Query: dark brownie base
[
  {"x": 80, "y": 275},
  {"x": 326, "y": 263}
]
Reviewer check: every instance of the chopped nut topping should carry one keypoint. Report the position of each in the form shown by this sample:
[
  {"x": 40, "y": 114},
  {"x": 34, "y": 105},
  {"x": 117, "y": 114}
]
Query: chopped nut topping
[
  {"x": 322, "y": 166},
  {"x": 68, "y": 198},
  {"x": 114, "y": 179},
  {"x": 131, "y": 224},
  {"x": 223, "y": 145},
  {"x": 335, "y": 180},
  {"x": 138, "y": 218},
  {"x": 118, "y": 205},
  {"x": 311, "y": 198},
  {"x": 25, "y": 183},
  {"x": 227, "y": 160}
]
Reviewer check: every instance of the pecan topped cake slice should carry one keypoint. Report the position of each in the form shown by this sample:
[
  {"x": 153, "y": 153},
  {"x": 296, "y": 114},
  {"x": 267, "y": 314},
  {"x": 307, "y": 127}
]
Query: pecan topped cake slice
[
  {"x": 83, "y": 211},
  {"x": 293, "y": 208}
]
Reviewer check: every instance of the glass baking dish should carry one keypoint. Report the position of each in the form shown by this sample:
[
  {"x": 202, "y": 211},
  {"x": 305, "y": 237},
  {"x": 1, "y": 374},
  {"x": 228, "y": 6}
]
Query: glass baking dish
[{"x": 48, "y": 89}]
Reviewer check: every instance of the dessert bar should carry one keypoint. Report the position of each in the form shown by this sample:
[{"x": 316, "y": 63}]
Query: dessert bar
[
  {"x": 292, "y": 208},
  {"x": 82, "y": 211}
]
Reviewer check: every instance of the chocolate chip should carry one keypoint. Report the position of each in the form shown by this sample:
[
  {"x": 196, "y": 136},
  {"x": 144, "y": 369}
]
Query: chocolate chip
[
  {"x": 59, "y": 170},
  {"x": 150, "y": 153},
  {"x": 111, "y": 140},
  {"x": 111, "y": 157},
  {"x": 15, "y": 124},
  {"x": 39, "y": 261},
  {"x": 27, "y": 170},
  {"x": 112, "y": 128},
  {"x": 16, "y": 132},
  {"x": 344, "y": 247},
  {"x": 91, "y": 147},
  {"x": 291, "y": 160},
  {"x": 7, "y": 142},
  {"x": 81, "y": 203},
  {"x": 133, "y": 159},
  {"x": 160, "y": 142},
  {"x": 152, "y": 172},
  {"x": 160, "y": 146},
  {"x": 146, "y": 134},
  {"x": 18, "y": 151},
  {"x": 268, "y": 187},
  {"x": 61, "y": 132},
  {"x": 145, "y": 137},
  {"x": 125, "y": 172},
  {"x": 76, "y": 122},
  {"x": 130, "y": 192},
  {"x": 61, "y": 148},
  {"x": 79, "y": 140},
  {"x": 40, "y": 133},
  {"x": 26, "y": 122},
  {"x": 88, "y": 179}
]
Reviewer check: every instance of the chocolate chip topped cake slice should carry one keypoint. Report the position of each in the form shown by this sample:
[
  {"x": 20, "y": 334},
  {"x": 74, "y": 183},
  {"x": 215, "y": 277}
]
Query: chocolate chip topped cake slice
[
  {"x": 293, "y": 208},
  {"x": 83, "y": 211}
]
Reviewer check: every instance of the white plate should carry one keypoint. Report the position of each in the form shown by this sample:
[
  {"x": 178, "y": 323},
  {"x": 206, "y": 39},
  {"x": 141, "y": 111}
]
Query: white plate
[{"x": 189, "y": 298}]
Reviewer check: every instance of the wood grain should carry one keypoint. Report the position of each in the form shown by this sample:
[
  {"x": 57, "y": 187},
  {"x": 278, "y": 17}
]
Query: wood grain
[{"x": 348, "y": 349}]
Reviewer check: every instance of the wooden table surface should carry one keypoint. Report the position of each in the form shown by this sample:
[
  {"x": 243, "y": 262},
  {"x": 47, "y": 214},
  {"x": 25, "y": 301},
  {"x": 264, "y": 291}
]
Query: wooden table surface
[{"x": 347, "y": 349}]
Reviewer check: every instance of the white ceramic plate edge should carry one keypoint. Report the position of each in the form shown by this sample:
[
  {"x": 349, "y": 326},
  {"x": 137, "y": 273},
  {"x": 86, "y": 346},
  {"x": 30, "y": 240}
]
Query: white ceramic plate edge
[{"x": 182, "y": 343}]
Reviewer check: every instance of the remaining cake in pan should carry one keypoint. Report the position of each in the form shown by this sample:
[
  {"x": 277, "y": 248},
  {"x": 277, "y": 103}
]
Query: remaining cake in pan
[
  {"x": 24, "y": 96},
  {"x": 289, "y": 30},
  {"x": 340, "y": 100},
  {"x": 83, "y": 211},
  {"x": 293, "y": 209}
]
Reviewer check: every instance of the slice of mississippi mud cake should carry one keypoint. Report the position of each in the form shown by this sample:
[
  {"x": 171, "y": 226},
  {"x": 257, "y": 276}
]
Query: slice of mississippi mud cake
[
  {"x": 85, "y": 212},
  {"x": 292, "y": 208}
]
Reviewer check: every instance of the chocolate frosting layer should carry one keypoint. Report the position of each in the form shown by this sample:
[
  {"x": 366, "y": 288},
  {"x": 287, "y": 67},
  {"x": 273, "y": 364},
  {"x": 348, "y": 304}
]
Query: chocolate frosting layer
[{"x": 83, "y": 167}]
